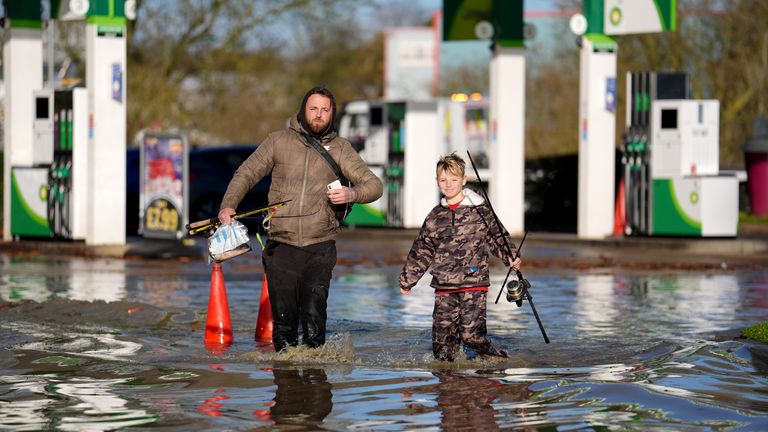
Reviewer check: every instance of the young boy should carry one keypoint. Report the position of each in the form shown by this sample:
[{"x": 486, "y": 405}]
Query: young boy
[{"x": 455, "y": 240}]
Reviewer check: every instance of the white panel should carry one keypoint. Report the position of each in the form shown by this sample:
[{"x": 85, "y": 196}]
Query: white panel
[
  {"x": 80, "y": 170},
  {"x": 377, "y": 142},
  {"x": 422, "y": 149},
  {"x": 23, "y": 74},
  {"x": 381, "y": 203},
  {"x": 107, "y": 143},
  {"x": 666, "y": 144},
  {"x": 702, "y": 140},
  {"x": 597, "y": 126},
  {"x": 720, "y": 206},
  {"x": 692, "y": 148},
  {"x": 630, "y": 17},
  {"x": 30, "y": 181},
  {"x": 456, "y": 133},
  {"x": 42, "y": 147},
  {"x": 507, "y": 145},
  {"x": 409, "y": 63},
  {"x": 688, "y": 193}
]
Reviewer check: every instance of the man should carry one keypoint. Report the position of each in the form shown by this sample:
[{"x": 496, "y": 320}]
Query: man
[{"x": 300, "y": 253}]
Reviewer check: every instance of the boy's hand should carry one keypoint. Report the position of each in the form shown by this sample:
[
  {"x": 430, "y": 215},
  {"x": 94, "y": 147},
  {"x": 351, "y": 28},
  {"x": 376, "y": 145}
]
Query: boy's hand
[
  {"x": 405, "y": 291},
  {"x": 516, "y": 263}
]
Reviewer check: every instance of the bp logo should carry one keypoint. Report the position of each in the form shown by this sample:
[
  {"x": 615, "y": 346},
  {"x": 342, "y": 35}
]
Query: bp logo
[
  {"x": 615, "y": 16},
  {"x": 694, "y": 197},
  {"x": 42, "y": 192}
]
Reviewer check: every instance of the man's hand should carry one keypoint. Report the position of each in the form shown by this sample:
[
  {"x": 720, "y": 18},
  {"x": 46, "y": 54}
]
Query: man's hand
[
  {"x": 516, "y": 263},
  {"x": 225, "y": 215},
  {"x": 341, "y": 195}
]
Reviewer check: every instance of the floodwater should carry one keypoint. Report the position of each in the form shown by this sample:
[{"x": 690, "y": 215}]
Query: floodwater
[{"x": 105, "y": 344}]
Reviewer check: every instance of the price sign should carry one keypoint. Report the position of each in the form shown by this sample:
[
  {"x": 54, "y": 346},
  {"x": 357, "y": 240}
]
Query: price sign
[
  {"x": 164, "y": 167},
  {"x": 162, "y": 215}
]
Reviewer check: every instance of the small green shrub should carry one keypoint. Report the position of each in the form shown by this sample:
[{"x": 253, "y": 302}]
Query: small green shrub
[
  {"x": 757, "y": 332},
  {"x": 749, "y": 218}
]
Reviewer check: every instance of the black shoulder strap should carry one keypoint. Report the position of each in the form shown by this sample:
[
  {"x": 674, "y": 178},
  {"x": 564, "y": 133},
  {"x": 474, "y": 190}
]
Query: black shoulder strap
[{"x": 327, "y": 156}]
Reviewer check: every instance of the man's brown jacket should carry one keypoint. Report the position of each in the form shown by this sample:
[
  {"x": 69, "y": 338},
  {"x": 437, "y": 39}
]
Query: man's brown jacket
[{"x": 300, "y": 174}]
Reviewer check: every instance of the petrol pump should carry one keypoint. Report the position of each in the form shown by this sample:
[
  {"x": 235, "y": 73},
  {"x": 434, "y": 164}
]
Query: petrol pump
[
  {"x": 363, "y": 123},
  {"x": 395, "y": 138},
  {"x": 47, "y": 197},
  {"x": 401, "y": 142},
  {"x": 64, "y": 151},
  {"x": 466, "y": 121},
  {"x": 670, "y": 154}
]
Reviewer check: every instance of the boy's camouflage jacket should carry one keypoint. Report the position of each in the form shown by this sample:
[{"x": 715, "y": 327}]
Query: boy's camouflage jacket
[{"x": 456, "y": 245}]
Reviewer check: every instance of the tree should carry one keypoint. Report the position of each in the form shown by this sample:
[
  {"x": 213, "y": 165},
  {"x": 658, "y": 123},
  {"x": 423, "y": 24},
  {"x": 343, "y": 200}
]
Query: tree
[
  {"x": 723, "y": 47},
  {"x": 233, "y": 69},
  {"x": 552, "y": 95}
]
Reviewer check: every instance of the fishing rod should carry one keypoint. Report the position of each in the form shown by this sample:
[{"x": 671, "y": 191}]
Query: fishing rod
[
  {"x": 517, "y": 290},
  {"x": 213, "y": 223}
]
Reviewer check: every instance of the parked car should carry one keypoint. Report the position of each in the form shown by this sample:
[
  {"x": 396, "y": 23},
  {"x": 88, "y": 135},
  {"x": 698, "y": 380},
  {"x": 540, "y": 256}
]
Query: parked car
[{"x": 210, "y": 170}]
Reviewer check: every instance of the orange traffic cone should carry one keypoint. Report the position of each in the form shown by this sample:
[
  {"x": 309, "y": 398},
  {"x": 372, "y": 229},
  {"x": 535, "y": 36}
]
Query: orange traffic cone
[
  {"x": 620, "y": 214},
  {"x": 263, "y": 331},
  {"x": 218, "y": 329}
]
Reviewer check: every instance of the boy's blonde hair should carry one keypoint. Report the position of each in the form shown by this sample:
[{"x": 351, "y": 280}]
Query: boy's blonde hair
[{"x": 452, "y": 164}]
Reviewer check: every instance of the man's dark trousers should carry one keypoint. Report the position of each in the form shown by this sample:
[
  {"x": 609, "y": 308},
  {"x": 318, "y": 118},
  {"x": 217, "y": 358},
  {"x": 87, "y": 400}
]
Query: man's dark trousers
[{"x": 299, "y": 279}]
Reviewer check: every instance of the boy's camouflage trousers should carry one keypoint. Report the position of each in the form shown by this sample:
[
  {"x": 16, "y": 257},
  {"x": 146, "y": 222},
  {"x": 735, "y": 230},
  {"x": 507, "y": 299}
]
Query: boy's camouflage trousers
[{"x": 460, "y": 317}]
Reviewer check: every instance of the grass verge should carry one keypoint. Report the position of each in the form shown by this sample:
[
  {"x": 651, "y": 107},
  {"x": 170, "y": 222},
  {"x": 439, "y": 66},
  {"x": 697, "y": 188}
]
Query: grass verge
[{"x": 757, "y": 332}]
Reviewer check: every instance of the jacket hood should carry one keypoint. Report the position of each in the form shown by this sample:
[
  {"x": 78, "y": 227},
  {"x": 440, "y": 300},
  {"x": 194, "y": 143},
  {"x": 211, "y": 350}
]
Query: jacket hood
[
  {"x": 303, "y": 121},
  {"x": 471, "y": 198}
]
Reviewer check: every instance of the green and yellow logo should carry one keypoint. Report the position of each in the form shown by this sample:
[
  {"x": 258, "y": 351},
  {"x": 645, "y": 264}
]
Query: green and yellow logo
[
  {"x": 42, "y": 193},
  {"x": 615, "y": 16}
]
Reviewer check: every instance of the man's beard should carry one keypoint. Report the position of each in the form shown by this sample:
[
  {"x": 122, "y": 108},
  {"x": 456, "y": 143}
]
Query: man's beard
[{"x": 318, "y": 127}]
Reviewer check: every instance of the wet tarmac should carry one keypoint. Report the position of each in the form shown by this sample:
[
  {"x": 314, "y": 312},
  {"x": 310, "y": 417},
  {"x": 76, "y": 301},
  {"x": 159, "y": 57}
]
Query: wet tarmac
[{"x": 644, "y": 335}]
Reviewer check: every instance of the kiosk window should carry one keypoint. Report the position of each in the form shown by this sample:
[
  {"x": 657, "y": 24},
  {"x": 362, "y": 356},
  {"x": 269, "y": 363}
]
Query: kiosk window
[
  {"x": 377, "y": 117},
  {"x": 41, "y": 108},
  {"x": 669, "y": 119}
]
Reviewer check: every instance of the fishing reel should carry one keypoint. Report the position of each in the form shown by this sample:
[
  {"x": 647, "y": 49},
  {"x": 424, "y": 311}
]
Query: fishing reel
[{"x": 515, "y": 291}]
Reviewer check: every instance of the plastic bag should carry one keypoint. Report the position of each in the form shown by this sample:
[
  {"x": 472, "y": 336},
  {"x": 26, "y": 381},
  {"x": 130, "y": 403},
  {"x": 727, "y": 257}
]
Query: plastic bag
[{"x": 229, "y": 241}]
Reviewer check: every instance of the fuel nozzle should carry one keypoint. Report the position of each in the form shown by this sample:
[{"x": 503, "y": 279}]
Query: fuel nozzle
[{"x": 515, "y": 291}]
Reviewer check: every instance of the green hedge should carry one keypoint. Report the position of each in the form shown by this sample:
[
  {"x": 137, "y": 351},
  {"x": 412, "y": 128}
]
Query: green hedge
[{"x": 758, "y": 332}]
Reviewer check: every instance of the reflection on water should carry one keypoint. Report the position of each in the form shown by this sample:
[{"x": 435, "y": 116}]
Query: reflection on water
[
  {"x": 699, "y": 304},
  {"x": 595, "y": 304},
  {"x": 710, "y": 385},
  {"x": 416, "y": 308},
  {"x": 97, "y": 280},
  {"x": 705, "y": 386},
  {"x": 105, "y": 345},
  {"x": 706, "y": 301},
  {"x": 82, "y": 340},
  {"x": 85, "y": 404},
  {"x": 303, "y": 396},
  {"x": 471, "y": 402},
  {"x": 28, "y": 287},
  {"x": 77, "y": 279}
]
